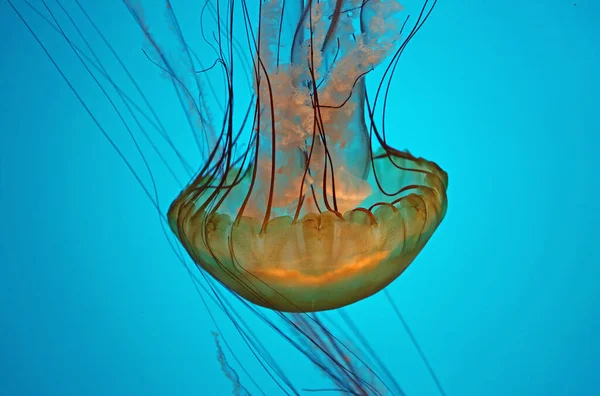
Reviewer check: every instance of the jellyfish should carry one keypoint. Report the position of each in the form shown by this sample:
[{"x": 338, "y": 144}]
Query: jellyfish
[{"x": 297, "y": 205}]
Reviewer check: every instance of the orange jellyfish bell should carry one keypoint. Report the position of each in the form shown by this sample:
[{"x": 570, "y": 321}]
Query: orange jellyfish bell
[{"x": 306, "y": 215}]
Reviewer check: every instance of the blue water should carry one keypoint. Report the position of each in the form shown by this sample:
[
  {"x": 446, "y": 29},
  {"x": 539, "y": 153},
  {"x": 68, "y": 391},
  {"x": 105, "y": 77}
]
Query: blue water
[{"x": 505, "y": 298}]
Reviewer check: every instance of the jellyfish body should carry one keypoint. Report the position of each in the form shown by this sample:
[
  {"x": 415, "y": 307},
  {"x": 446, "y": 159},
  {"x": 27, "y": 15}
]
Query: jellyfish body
[{"x": 314, "y": 219}]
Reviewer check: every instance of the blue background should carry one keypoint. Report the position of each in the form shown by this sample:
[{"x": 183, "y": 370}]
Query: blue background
[{"x": 505, "y": 298}]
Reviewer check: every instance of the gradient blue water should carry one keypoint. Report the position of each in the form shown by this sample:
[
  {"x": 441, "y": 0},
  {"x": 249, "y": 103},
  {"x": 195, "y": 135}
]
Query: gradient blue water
[{"x": 505, "y": 298}]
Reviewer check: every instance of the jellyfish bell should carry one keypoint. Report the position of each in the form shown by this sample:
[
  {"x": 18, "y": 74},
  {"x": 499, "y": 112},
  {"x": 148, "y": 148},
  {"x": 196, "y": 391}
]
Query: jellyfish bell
[
  {"x": 311, "y": 215},
  {"x": 320, "y": 261}
]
